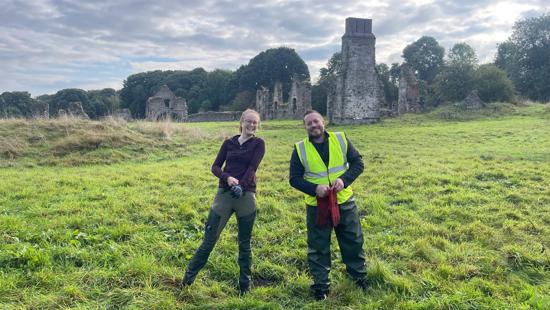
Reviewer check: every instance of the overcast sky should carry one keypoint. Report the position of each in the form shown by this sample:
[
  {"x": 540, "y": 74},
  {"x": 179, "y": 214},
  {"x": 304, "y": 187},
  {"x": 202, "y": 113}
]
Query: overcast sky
[{"x": 48, "y": 45}]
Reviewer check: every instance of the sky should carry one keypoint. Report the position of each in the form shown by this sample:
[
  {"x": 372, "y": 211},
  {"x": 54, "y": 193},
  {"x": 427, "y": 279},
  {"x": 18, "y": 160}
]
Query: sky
[{"x": 49, "y": 45}]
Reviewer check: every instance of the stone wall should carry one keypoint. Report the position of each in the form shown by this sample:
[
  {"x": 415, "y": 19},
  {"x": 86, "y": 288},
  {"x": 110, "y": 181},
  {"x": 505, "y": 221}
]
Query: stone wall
[
  {"x": 271, "y": 105},
  {"x": 357, "y": 97},
  {"x": 40, "y": 109},
  {"x": 409, "y": 93},
  {"x": 164, "y": 104},
  {"x": 124, "y": 114},
  {"x": 214, "y": 116}
]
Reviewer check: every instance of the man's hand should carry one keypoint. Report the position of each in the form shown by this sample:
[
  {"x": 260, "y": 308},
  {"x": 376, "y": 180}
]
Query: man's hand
[
  {"x": 338, "y": 185},
  {"x": 231, "y": 181},
  {"x": 322, "y": 190}
]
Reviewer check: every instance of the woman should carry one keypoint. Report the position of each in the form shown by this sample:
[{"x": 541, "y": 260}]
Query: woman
[{"x": 236, "y": 193}]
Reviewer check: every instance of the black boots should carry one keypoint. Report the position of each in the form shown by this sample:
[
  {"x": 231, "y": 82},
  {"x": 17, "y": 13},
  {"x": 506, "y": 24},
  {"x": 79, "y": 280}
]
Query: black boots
[{"x": 320, "y": 294}]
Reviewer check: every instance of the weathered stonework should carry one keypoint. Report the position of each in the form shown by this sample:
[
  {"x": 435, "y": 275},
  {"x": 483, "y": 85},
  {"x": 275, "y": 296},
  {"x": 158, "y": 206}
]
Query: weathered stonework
[
  {"x": 472, "y": 102},
  {"x": 264, "y": 103},
  {"x": 74, "y": 109},
  {"x": 40, "y": 109},
  {"x": 211, "y": 116},
  {"x": 409, "y": 98},
  {"x": 124, "y": 114},
  {"x": 357, "y": 97},
  {"x": 164, "y": 104},
  {"x": 272, "y": 106}
]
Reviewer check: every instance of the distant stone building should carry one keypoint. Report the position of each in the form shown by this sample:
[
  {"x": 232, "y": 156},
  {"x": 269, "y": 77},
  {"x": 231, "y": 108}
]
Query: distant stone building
[
  {"x": 125, "y": 114},
  {"x": 358, "y": 95},
  {"x": 471, "y": 102},
  {"x": 40, "y": 109},
  {"x": 164, "y": 104},
  {"x": 74, "y": 109},
  {"x": 409, "y": 93},
  {"x": 271, "y": 105},
  {"x": 212, "y": 116}
]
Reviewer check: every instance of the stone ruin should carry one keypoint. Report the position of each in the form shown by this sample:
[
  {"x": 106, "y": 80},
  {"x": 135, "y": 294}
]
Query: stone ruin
[
  {"x": 471, "y": 102},
  {"x": 74, "y": 109},
  {"x": 271, "y": 105},
  {"x": 125, "y": 114},
  {"x": 358, "y": 95},
  {"x": 212, "y": 116},
  {"x": 165, "y": 105},
  {"x": 409, "y": 92},
  {"x": 40, "y": 109}
]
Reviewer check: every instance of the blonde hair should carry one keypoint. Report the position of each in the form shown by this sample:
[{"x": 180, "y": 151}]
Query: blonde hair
[{"x": 244, "y": 114}]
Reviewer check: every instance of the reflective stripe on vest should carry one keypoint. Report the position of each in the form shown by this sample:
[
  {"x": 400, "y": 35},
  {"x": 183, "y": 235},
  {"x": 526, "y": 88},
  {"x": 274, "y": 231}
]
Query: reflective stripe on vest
[
  {"x": 317, "y": 172},
  {"x": 343, "y": 167}
]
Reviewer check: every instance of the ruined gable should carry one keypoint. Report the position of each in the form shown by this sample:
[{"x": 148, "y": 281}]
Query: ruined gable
[
  {"x": 164, "y": 104},
  {"x": 270, "y": 104}
]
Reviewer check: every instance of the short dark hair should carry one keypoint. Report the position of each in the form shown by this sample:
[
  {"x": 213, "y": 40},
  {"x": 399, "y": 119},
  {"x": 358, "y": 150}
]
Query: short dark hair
[{"x": 308, "y": 112}]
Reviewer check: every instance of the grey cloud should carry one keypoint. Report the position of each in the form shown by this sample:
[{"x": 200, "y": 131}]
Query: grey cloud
[{"x": 50, "y": 39}]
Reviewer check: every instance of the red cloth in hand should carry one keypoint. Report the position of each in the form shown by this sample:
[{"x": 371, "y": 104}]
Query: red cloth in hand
[{"x": 328, "y": 213}]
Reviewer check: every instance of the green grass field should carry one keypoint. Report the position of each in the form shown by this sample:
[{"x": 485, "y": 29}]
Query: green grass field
[{"x": 455, "y": 212}]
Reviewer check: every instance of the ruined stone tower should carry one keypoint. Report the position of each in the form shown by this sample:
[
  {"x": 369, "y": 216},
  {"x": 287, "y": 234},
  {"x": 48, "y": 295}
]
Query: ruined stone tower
[
  {"x": 271, "y": 105},
  {"x": 357, "y": 96}
]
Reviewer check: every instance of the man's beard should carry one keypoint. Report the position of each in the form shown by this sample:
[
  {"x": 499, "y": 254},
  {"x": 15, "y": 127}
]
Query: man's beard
[{"x": 316, "y": 135}]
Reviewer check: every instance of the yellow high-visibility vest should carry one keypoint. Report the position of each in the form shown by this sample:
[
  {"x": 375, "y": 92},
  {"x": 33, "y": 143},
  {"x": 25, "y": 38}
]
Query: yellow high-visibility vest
[{"x": 317, "y": 172}]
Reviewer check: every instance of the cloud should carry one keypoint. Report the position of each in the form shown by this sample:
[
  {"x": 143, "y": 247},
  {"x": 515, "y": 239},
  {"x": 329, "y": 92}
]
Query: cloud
[{"x": 48, "y": 45}]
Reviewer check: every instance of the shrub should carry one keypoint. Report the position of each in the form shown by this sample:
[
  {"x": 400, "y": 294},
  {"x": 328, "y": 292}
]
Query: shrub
[{"x": 493, "y": 85}]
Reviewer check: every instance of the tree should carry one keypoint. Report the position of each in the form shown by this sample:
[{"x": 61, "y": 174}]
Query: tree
[
  {"x": 462, "y": 55},
  {"x": 243, "y": 100},
  {"x": 525, "y": 57},
  {"x": 265, "y": 69},
  {"x": 216, "y": 83},
  {"x": 16, "y": 104},
  {"x": 103, "y": 101},
  {"x": 456, "y": 80},
  {"x": 137, "y": 88},
  {"x": 395, "y": 71},
  {"x": 326, "y": 83},
  {"x": 62, "y": 98},
  {"x": 507, "y": 58},
  {"x": 493, "y": 85},
  {"x": 454, "y": 83},
  {"x": 391, "y": 90},
  {"x": 191, "y": 85},
  {"x": 425, "y": 56}
]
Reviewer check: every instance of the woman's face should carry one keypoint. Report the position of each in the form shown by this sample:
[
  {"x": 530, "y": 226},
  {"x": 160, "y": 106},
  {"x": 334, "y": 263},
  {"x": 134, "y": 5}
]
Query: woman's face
[{"x": 249, "y": 124}]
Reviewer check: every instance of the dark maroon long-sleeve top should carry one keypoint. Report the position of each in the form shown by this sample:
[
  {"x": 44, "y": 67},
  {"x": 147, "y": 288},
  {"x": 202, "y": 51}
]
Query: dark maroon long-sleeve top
[{"x": 241, "y": 162}]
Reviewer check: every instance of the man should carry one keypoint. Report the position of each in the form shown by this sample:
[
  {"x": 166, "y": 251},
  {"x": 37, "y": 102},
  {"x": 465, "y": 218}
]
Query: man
[{"x": 322, "y": 162}]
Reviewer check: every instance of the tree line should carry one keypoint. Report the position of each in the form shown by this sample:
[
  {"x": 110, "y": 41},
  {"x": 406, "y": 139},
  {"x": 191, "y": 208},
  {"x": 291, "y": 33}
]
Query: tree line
[{"x": 521, "y": 68}]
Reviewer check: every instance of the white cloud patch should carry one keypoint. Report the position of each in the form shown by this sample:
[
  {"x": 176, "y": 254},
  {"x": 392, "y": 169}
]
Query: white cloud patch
[{"x": 48, "y": 45}]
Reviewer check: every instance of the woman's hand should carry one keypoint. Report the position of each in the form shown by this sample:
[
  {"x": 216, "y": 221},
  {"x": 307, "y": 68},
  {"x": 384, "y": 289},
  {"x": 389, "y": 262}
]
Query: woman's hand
[{"x": 231, "y": 181}]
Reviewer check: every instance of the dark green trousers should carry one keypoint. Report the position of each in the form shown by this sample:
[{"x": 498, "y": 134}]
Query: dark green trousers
[
  {"x": 350, "y": 239},
  {"x": 222, "y": 209}
]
